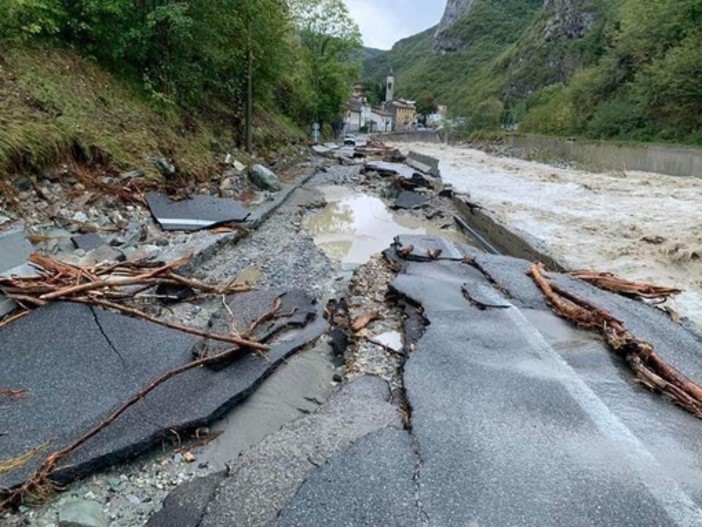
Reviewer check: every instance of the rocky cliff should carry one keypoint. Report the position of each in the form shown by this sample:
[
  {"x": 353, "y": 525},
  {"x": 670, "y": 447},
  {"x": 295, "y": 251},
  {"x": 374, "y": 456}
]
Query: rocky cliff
[
  {"x": 445, "y": 40},
  {"x": 565, "y": 19},
  {"x": 569, "y": 19}
]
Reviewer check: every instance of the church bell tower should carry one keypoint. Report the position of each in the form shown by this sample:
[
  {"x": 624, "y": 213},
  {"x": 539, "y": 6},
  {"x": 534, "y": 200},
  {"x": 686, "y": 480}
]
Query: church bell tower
[{"x": 390, "y": 87}]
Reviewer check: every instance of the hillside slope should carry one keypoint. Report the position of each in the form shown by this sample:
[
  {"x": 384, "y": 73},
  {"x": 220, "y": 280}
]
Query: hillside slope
[
  {"x": 55, "y": 105},
  {"x": 620, "y": 69}
]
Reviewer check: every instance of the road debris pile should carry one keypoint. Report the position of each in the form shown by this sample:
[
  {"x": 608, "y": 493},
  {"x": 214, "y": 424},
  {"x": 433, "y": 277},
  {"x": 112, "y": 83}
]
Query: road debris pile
[
  {"x": 651, "y": 370},
  {"x": 110, "y": 285}
]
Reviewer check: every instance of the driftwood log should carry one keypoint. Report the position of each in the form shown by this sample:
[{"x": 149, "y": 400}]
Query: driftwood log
[
  {"x": 650, "y": 369},
  {"x": 635, "y": 289}
]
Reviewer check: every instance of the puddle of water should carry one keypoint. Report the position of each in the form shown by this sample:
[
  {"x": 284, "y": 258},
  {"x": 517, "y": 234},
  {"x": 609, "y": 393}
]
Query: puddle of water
[
  {"x": 295, "y": 389},
  {"x": 391, "y": 339},
  {"x": 355, "y": 226}
]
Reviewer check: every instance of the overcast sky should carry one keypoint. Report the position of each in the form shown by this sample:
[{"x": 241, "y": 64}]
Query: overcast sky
[{"x": 384, "y": 22}]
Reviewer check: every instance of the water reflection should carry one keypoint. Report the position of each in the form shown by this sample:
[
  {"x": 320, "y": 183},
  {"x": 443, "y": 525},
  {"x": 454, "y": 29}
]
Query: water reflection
[{"x": 354, "y": 226}]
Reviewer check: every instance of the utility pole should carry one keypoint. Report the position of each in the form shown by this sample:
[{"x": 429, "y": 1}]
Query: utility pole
[
  {"x": 249, "y": 99},
  {"x": 249, "y": 83}
]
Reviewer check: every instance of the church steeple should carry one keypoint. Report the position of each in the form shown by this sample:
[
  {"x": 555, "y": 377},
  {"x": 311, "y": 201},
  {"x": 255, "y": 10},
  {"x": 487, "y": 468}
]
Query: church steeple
[{"x": 390, "y": 86}]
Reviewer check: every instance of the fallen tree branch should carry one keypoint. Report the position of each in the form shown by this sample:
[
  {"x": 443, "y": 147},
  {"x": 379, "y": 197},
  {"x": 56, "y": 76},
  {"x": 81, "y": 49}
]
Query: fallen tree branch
[
  {"x": 650, "y": 369},
  {"x": 231, "y": 339},
  {"x": 363, "y": 320},
  {"x": 609, "y": 282},
  {"x": 13, "y": 393},
  {"x": 39, "y": 483},
  {"x": 99, "y": 285},
  {"x": 270, "y": 315}
]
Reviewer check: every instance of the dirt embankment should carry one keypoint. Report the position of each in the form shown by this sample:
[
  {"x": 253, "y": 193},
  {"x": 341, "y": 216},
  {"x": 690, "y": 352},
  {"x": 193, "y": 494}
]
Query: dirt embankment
[{"x": 639, "y": 225}]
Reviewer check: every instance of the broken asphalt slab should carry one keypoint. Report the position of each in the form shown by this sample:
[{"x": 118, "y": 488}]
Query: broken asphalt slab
[
  {"x": 79, "y": 363},
  {"x": 265, "y": 478},
  {"x": 88, "y": 241},
  {"x": 184, "y": 506},
  {"x": 521, "y": 419},
  {"x": 533, "y": 429},
  {"x": 369, "y": 484},
  {"x": 385, "y": 167},
  {"x": 204, "y": 244},
  {"x": 410, "y": 200},
  {"x": 194, "y": 213},
  {"x": 418, "y": 247},
  {"x": 14, "y": 252}
]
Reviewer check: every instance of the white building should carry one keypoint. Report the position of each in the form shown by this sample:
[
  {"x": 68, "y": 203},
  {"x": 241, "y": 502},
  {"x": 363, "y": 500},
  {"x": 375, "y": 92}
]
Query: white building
[
  {"x": 357, "y": 116},
  {"x": 381, "y": 121}
]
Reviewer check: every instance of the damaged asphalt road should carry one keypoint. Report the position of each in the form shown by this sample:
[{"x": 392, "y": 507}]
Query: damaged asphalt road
[
  {"x": 78, "y": 363},
  {"x": 516, "y": 418},
  {"x": 496, "y": 411}
]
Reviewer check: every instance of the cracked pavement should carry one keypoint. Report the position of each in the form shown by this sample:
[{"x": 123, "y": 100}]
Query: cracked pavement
[
  {"x": 517, "y": 418},
  {"x": 79, "y": 363}
]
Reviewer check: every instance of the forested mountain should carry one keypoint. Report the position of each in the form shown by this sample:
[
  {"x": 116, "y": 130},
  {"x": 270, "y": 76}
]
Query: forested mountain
[
  {"x": 79, "y": 74},
  {"x": 623, "y": 69}
]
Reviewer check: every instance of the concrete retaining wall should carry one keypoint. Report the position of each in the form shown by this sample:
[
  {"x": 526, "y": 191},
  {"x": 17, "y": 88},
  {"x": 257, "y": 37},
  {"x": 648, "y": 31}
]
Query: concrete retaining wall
[
  {"x": 426, "y": 136},
  {"x": 593, "y": 155},
  {"x": 503, "y": 238},
  {"x": 673, "y": 161}
]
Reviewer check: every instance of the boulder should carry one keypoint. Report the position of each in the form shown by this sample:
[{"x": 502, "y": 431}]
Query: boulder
[{"x": 264, "y": 178}]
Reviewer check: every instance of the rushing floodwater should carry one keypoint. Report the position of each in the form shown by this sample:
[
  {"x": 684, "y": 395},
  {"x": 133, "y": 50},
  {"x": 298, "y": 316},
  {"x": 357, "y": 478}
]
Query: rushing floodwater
[{"x": 638, "y": 225}]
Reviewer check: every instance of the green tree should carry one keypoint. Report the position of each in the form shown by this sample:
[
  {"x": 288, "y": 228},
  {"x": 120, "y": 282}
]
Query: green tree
[
  {"x": 426, "y": 105},
  {"x": 332, "y": 42}
]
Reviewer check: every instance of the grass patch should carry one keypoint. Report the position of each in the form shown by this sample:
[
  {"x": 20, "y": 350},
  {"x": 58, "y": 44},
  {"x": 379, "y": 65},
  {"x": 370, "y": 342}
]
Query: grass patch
[{"x": 55, "y": 104}]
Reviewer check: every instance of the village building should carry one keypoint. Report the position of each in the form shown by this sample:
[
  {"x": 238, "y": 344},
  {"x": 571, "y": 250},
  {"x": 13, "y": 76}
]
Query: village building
[
  {"x": 357, "y": 116},
  {"x": 381, "y": 121},
  {"x": 437, "y": 119},
  {"x": 404, "y": 114}
]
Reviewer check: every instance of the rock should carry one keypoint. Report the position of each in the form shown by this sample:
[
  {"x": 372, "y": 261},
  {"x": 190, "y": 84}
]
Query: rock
[
  {"x": 82, "y": 513},
  {"x": 4, "y": 219},
  {"x": 146, "y": 252},
  {"x": 133, "y": 174},
  {"x": 238, "y": 166},
  {"x": 104, "y": 253},
  {"x": 80, "y": 217},
  {"x": 264, "y": 178},
  {"x": 226, "y": 185},
  {"x": 160, "y": 240},
  {"x": 23, "y": 184},
  {"x": 447, "y": 191},
  {"x": 444, "y": 40},
  {"x": 163, "y": 165},
  {"x": 396, "y": 156}
]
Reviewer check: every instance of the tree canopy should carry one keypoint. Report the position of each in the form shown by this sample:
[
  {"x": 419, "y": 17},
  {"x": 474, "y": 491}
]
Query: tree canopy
[{"x": 193, "y": 53}]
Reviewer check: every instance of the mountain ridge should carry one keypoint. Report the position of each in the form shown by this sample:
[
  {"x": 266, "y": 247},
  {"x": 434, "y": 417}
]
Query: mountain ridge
[{"x": 600, "y": 69}]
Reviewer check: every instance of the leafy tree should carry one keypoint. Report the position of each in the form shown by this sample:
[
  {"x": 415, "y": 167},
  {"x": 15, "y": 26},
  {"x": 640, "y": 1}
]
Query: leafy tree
[
  {"x": 333, "y": 47},
  {"x": 374, "y": 92},
  {"x": 426, "y": 105}
]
